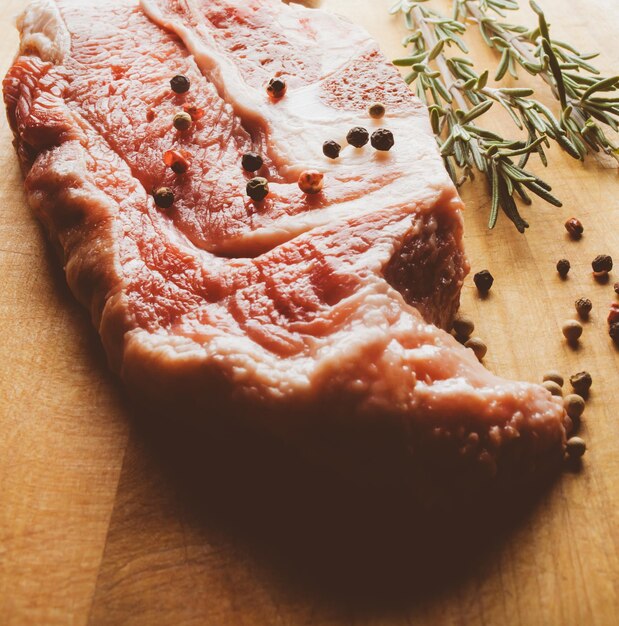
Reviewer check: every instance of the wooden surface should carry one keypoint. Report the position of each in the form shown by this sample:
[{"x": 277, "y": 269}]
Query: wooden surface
[{"x": 104, "y": 520}]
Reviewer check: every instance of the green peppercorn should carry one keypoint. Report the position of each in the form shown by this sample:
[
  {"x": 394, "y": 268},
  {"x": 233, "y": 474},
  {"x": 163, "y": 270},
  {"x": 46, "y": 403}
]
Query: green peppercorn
[
  {"x": 180, "y": 84},
  {"x": 572, "y": 330},
  {"x": 382, "y": 139},
  {"x": 257, "y": 188},
  {"x": 358, "y": 136},
  {"x": 164, "y": 197},
  {"x": 575, "y": 447},
  {"x": 182, "y": 121},
  {"x": 574, "y": 405},
  {"x": 581, "y": 382},
  {"x": 583, "y": 307},
  {"x": 376, "y": 110},
  {"x": 463, "y": 327},
  {"x": 276, "y": 88},
  {"x": 477, "y": 346},
  {"x": 563, "y": 267},
  {"x": 331, "y": 149},
  {"x": 555, "y": 377},
  {"x": 251, "y": 162},
  {"x": 554, "y": 389},
  {"x": 602, "y": 264},
  {"x": 483, "y": 281}
]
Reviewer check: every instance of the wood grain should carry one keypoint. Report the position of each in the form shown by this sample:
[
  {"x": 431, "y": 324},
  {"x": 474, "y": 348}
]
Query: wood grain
[{"x": 108, "y": 519}]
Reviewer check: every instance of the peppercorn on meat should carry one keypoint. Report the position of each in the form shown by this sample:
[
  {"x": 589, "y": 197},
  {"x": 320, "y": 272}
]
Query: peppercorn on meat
[{"x": 313, "y": 311}]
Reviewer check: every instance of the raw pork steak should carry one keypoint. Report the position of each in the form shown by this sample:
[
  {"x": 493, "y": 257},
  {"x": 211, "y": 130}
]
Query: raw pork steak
[{"x": 317, "y": 316}]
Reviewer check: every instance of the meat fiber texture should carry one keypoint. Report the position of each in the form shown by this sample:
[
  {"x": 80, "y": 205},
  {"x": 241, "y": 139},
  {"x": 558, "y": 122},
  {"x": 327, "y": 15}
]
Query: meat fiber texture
[{"x": 316, "y": 317}]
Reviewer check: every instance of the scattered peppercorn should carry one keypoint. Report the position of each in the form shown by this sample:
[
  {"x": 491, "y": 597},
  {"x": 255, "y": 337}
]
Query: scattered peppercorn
[
  {"x": 581, "y": 382},
  {"x": 257, "y": 188},
  {"x": 164, "y": 198},
  {"x": 251, "y": 162},
  {"x": 555, "y": 377},
  {"x": 616, "y": 288},
  {"x": 195, "y": 112},
  {"x": 575, "y": 447},
  {"x": 613, "y": 331},
  {"x": 463, "y": 327},
  {"x": 310, "y": 181},
  {"x": 602, "y": 264},
  {"x": 182, "y": 121},
  {"x": 574, "y": 405},
  {"x": 180, "y": 84},
  {"x": 357, "y": 136},
  {"x": 382, "y": 139},
  {"x": 177, "y": 160},
  {"x": 376, "y": 110},
  {"x": 483, "y": 281},
  {"x": 276, "y": 88},
  {"x": 583, "y": 307},
  {"x": 574, "y": 227},
  {"x": 477, "y": 346},
  {"x": 572, "y": 330},
  {"x": 331, "y": 149},
  {"x": 613, "y": 314},
  {"x": 563, "y": 267},
  {"x": 554, "y": 389}
]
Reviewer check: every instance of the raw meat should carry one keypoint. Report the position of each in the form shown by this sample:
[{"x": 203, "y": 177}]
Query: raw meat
[{"x": 315, "y": 316}]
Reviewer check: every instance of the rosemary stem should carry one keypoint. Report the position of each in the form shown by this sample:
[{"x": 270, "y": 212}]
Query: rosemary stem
[{"x": 431, "y": 41}]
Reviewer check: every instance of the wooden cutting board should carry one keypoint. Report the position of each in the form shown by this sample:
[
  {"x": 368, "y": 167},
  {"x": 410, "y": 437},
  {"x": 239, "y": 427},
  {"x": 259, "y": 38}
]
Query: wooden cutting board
[{"x": 104, "y": 522}]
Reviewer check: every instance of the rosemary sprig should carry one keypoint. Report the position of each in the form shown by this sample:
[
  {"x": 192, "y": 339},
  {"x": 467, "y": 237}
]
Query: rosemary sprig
[
  {"x": 456, "y": 96},
  {"x": 574, "y": 81}
]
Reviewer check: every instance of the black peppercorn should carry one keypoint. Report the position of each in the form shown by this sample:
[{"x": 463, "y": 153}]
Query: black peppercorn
[
  {"x": 331, "y": 149},
  {"x": 257, "y": 188},
  {"x": 583, "y": 307},
  {"x": 563, "y": 267},
  {"x": 164, "y": 198},
  {"x": 357, "y": 136},
  {"x": 251, "y": 162},
  {"x": 276, "y": 88},
  {"x": 382, "y": 139},
  {"x": 180, "y": 84},
  {"x": 581, "y": 382},
  {"x": 602, "y": 264},
  {"x": 483, "y": 281}
]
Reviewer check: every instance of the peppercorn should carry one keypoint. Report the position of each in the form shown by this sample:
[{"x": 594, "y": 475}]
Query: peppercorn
[
  {"x": 310, "y": 181},
  {"x": 555, "y": 377},
  {"x": 182, "y": 121},
  {"x": 180, "y": 84},
  {"x": 563, "y": 267},
  {"x": 616, "y": 288},
  {"x": 575, "y": 447},
  {"x": 477, "y": 346},
  {"x": 583, "y": 307},
  {"x": 257, "y": 188},
  {"x": 572, "y": 330},
  {"x": 276, "y": 88},
  {"x": 613, "y": 331},
  {"x": 602, "y": 264},
  {"x": 251, "y": 162},
  {"x": 574, "y": 405},
  {"x": 177, "y": 160},
  {"x": 574, "y": 227},
  {"x": 463, "y": 327},
  {"x": 376, "y": 110},
  {"x": 483, "y": 281},
  {"x": 331, "y": 149},
  {"x": 382, "y": 139},
  {"x": 581, "y": 382},
  {"x": 613, "y": 314},
  {"x": 164, "y": 197},
  {"x": 357, "y": 136},
  {"x": 554, "y": 389}
]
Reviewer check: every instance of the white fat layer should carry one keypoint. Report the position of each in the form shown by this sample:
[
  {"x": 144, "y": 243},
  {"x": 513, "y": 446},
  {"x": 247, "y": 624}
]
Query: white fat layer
[{"x": 43, "y": 30}]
